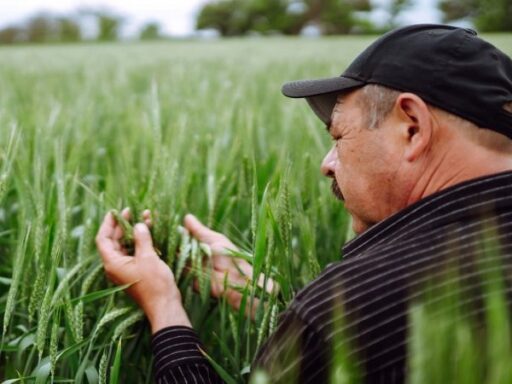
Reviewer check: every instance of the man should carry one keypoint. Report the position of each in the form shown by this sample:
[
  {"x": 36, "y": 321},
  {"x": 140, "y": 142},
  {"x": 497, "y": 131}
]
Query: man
[{"x": 422, "y": 124}]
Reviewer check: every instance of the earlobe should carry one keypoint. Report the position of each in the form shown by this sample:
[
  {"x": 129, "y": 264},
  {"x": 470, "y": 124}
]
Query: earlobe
[{"x": 416, "y": 143}]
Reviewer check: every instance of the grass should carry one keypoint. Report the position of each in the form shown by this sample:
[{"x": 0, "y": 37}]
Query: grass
[{"x": 176, "y": 127}]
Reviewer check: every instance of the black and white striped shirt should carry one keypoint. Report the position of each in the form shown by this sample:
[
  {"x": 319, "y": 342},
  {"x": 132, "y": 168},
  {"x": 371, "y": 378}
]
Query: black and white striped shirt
[{"x": 363, "y": 300}]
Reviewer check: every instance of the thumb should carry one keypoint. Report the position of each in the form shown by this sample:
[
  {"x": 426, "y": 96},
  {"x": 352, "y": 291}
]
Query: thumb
[{"x": 143, "y": 240}]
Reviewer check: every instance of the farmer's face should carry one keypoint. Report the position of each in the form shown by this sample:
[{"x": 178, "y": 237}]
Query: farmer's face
[{"x": 364, "y": 164}]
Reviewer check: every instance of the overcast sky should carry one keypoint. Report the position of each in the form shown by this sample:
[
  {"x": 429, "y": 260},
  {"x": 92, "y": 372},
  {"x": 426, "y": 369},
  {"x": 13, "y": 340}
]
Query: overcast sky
[{"x": 175, "y": 16}]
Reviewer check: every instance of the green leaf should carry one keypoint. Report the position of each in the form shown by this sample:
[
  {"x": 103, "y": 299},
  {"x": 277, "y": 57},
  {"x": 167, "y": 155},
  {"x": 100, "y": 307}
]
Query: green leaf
[
  {"x": 18, "y": 380},
  {"x": 221, "y": 371},
  {"x": 93, "y": 296},
  {"x": 246, "y": 370},
  {"x": 116, "y": 367},
  {"x": 261, "y": 236},
  {"x": 42, "y": 372},
  {"x": 72, "y": 349},
  {"x": 92, "y": 374},
  {"x": 27, "y": 341},
  {"x": 8, "y": 348}
]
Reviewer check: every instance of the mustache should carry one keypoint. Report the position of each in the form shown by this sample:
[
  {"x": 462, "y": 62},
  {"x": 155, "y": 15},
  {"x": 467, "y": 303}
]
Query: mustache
[{"x": 336, "y": 190}]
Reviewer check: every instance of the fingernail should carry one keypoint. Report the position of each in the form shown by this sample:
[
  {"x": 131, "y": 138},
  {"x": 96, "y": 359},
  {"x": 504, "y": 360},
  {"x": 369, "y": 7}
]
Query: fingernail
[{"x": 141, "y": 228}]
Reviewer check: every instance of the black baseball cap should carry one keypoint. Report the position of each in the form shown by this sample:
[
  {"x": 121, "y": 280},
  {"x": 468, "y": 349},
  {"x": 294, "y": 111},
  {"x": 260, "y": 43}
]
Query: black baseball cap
[{"x": 448, "y": 67}]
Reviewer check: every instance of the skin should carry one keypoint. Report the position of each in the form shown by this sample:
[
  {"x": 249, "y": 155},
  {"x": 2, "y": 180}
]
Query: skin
[
  {"x": 413, "y": 153},
  {"x": 153, "y": 284}
]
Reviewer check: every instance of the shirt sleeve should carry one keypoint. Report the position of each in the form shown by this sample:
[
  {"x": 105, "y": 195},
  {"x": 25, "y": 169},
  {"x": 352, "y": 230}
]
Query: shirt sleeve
[{"x": 178, "y": 358}]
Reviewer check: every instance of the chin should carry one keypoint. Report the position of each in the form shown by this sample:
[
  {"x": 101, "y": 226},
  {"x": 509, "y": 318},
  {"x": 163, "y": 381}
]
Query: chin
[{"x": 359, "y": 227}]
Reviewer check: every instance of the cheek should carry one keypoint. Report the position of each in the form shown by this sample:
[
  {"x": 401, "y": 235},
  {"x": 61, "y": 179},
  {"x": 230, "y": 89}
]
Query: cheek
[
  {"x": 361, "y": 177},
  {"x": 350, "y": 163}
]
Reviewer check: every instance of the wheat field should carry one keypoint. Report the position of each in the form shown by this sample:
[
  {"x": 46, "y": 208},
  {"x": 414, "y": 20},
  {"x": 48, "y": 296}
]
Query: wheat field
[{"x": 176, "y": 127}]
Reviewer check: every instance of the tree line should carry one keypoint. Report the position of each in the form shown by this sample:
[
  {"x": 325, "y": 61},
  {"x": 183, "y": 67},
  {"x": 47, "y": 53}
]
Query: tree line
[
  {"x": 486, "y": 15},
  {"x": 291, "y": 17},
  {"x": 264, "y": 17},
  {"x": 50, "y": 28}
]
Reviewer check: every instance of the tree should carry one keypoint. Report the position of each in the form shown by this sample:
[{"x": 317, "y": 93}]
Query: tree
[
  {"x": 267, "y": 16},
  {"x": 486, "y": 15},
  {"x": 40, "y": 29},
  {"x": 11, "y": 35},
  {"x": 43, "y": 28},
  {"x": 494, "y": 16},
  {"x": 68, "y": 30},
  {"x": 396, "y": 7},
  {"x": 150, "y": 31},
  {"x": 109, "y": 26},
  {"x": 226, "y": 16},
  {"x": 237, "y": 17},
  {"x": 339, "y": 17}
]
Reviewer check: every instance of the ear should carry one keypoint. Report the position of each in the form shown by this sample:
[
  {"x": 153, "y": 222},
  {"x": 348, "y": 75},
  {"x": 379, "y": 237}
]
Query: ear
[{"x": 416, "y": 124}]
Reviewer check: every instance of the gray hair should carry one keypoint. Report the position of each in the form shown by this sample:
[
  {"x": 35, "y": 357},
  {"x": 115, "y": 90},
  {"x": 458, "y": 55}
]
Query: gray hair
[{"x": 377, "y": 101}]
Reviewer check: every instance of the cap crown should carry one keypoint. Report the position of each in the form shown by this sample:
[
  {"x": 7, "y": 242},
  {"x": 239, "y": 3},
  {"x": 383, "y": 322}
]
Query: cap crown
[{"x": 449, "y": 67}]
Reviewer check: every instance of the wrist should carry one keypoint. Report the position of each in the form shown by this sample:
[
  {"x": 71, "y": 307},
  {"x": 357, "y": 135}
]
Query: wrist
[{"x": 167, "y": 315}]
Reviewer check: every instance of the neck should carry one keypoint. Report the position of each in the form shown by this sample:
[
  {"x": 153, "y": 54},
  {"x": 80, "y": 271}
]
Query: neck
[{"x": 449, "y": 169}]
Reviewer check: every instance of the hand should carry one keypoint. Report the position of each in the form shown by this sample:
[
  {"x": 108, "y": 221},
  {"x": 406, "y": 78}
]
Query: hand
[
  {"x": 153, "y": 285},
  {"x": 238, "y": 270}
]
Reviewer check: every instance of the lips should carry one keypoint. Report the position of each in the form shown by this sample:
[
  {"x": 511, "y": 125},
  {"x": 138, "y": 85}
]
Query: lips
[{"x": 336, "y": 190}]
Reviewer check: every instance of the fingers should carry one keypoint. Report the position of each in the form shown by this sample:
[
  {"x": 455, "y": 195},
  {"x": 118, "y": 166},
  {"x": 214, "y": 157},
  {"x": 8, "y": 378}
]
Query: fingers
[
  {"x": 146, "y": 217},
  {"x": 104, "y": 239},
  {"x": 233, "y": 297},
  {"x": 241, "y": 266},
  {"x": 126, "y": 213},
  {"x": 143, "y": 241},
  {"x": 118, "y": 233},
  {"x": 270, "y": 287},
  {"x": 243, "y": 272},
  {"x": 107, "y": 227},
  {"x": 199, "y": 230}
]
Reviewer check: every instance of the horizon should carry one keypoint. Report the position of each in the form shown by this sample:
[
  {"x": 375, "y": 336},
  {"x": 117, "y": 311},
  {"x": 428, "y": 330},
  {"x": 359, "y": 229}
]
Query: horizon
[{"x": 176, "y": 18}]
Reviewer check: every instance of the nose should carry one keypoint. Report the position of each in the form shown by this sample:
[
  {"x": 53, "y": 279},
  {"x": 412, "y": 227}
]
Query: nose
[{"x": 329, "y": 163}]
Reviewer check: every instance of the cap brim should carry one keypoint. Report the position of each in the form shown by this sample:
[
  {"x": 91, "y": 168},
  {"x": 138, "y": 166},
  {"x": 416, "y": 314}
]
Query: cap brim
[
  {"x": 307, "y": 88},
  {"x": 321, "y": 94}
]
